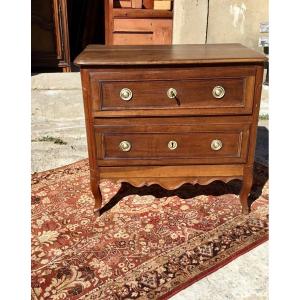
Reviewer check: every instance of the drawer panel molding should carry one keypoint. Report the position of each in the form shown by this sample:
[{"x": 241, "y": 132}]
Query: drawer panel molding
[
  {"x": 200, "y": 92},
  {"x": 182, "y": 143}
]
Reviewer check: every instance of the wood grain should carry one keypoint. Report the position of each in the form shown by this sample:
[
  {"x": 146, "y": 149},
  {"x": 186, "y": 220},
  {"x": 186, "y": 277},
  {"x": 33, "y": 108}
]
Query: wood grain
[
  {"x": 94, "y": 172},
  {"x": 99, "y": 55},
  {"x": 173, "y": 183},
  {"x": 141, "y": 13},
  {"x": 172, "y": 171},
  {"x": 150, "y": 85},
  {"x": 142, "y": 31},
  {"x": 195, "y": 93},
  {"x": 150, "y": 142},
  {"x": 60, "y": 8}
]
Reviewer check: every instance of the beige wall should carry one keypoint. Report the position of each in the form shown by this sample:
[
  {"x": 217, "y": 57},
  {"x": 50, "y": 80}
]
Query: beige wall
[
  {"x": 236, "y": 21},
  {"x": 190, "y": 20},
  {"x": 228, "y": 21}
]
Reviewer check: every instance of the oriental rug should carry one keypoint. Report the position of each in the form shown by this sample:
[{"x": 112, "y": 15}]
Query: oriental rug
[{"x": 149, "y": 245}]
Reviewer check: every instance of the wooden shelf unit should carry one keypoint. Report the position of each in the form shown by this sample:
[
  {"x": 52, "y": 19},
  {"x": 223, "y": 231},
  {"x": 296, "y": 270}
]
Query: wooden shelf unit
[
  {"x": 137, "y": 26},
  {"x": 141, "y": 13}
]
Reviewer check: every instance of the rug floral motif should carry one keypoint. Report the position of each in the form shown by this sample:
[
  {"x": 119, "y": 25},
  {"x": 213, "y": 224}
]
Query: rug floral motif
[{"x": 145, "y": 246}]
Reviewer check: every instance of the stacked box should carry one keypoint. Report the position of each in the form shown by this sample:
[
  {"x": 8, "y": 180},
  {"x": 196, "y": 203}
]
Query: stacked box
[
  {"x": 163, "y": 4},
  {"x": 136, "y": 3},
  {"x": 124, "y": 3}
]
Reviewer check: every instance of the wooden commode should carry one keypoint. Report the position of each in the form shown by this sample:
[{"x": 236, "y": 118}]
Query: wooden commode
[{"x": 171, "y": 114}]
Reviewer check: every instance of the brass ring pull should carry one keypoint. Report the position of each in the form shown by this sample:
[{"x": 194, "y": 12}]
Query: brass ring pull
[
  {"x": 126, "y": 94},
  {"x": 125, "y": 146},
  {"x": 218, "y": 92},
  {"x": 172, "y": 93},
  {"x": 172, "y": 145},
  {"x": 216, "y": 145}
]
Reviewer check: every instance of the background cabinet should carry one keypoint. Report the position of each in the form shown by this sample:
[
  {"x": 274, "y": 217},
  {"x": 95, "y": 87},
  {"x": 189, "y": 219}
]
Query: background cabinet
[
  {"x": 43, "y": 43},
  {"x": 61, "y": 29},
  {"x": 125, "y": 25}
]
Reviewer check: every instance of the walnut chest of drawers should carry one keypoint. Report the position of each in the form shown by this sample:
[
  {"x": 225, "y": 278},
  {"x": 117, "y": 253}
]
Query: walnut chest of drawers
[{"x": 171, "y": 114}]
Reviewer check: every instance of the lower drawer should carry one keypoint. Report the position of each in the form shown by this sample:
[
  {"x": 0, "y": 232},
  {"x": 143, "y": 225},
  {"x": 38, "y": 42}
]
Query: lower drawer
[{"x": 187, "y": 142}]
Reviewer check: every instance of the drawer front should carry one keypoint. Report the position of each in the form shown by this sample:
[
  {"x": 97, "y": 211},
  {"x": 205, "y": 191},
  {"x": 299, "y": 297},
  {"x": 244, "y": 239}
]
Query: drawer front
[
  {"x": 141, "y": 25},
  {"x": 195, "y": 93},
  {"x": 170, "y": 144},
  {"x": 142, "y": 31},
  {"x": 132, "y": 38},
  {"x": 174, "y": 91}
]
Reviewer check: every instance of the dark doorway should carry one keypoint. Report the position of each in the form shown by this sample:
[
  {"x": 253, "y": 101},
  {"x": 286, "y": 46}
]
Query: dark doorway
[
  {"x": 86, "y": 24},
  {"x": 61, "y": 29}
]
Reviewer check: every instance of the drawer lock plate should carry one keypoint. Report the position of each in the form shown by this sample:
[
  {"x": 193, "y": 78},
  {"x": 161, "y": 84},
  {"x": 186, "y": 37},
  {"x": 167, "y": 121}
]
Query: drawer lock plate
[{"x": 172, "y": 145}]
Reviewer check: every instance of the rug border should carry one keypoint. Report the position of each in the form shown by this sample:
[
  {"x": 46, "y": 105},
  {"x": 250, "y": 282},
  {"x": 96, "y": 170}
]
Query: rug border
[{"x": 213, "y": 269}]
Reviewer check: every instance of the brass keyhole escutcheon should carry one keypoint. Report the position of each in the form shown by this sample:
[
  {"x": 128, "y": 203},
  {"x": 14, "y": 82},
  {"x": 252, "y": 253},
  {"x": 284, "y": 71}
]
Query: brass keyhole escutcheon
[
  {"x": 126, "y": 94},
  {"x": 172, "y": 93},
  {"x": 216, "y": 145},
  {"x": 125, "y": 146},
  {"x": 218, "y": 92},
  {"x": 172, "y": 145}
]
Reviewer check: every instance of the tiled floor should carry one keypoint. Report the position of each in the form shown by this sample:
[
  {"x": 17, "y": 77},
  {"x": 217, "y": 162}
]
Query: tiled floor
[{"x": 57, "y": 112}]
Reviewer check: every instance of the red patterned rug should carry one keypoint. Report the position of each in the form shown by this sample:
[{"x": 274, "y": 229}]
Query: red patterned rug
[{"x": 145, "y": 246}]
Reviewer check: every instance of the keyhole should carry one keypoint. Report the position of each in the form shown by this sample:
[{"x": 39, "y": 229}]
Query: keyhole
[{"x": 172, "y": 145}]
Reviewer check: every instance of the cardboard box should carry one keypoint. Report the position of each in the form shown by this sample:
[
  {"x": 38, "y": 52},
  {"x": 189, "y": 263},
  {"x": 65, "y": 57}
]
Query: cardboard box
[
  {"x": 136, "y": 3},
  {"x": 123, "y": 3},
  {"x": 162, "y": 4}
]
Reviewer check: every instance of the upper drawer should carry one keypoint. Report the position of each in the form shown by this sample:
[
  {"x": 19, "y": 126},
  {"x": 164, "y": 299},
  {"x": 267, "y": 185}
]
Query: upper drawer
[{"x": 207, "y": 90}]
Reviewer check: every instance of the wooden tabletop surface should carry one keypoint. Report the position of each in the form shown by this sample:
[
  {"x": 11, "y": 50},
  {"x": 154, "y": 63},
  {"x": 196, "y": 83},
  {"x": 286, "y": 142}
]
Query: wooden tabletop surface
[{"x": 167, "y": 54}]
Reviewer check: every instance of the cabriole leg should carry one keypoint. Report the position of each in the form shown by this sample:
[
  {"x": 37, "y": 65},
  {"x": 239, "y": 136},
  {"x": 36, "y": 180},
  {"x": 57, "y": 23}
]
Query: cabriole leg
[
  {"x": 246, "y": 188},
  {"x": 96, "y": 193}
]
